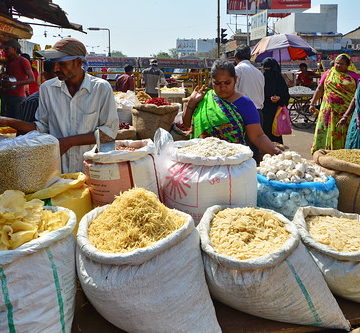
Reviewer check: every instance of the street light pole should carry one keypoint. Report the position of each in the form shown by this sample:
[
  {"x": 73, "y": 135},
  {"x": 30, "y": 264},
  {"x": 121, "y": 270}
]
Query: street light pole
[
  {"x": 218, "y": 28},
  {"x": 108, "y": 30}
]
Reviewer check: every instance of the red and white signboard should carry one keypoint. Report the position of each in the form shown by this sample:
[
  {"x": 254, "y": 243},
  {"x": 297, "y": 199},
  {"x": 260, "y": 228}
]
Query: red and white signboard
[{"x": 273, "y": 6}]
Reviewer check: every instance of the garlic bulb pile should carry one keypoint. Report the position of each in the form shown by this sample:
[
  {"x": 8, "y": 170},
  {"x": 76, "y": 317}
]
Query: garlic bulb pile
[{"x": 290, "y": 167}]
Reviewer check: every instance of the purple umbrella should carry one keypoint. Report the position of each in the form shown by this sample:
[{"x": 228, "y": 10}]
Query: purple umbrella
[{"x": 282, "y": 47}]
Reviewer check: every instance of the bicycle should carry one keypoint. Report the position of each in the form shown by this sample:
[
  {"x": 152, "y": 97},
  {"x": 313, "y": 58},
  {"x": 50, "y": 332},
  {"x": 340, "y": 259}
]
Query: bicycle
[{"x": 300, "y": 116}]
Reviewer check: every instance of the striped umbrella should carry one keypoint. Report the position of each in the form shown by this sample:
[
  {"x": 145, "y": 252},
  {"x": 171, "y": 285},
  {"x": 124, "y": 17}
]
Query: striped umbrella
[{"x": 282, "y": 47}]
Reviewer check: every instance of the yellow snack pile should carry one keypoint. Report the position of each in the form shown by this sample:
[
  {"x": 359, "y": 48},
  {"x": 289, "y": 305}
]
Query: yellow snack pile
[
  {"x": 136, "y": 219},
  {"x": 339, "y": 233},
  {"x": 245, "y": 233},
  {"x": 21, "y": 220}
]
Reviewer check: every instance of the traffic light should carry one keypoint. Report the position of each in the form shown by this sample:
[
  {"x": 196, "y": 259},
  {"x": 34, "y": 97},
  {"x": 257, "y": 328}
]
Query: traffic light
[{"x": 223, "y": 40}]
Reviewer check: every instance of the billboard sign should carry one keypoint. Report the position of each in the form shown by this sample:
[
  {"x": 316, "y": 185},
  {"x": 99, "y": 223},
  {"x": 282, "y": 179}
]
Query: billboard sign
[
  {"x": 186, "y": 45},
  {"x": 274, "y": 6},
  {"x": 259, "y": 25}
]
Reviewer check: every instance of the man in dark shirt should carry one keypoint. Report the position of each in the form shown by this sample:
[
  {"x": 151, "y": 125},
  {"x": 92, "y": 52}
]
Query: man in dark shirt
[
  {"x": 30, "y": 104},
  {"x": 153, "y": 77},
  {"x": 126, "y": 82}
]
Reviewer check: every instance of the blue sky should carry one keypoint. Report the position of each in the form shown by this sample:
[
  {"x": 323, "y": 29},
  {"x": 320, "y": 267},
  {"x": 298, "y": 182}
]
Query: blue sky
[{"x": 144, "y": 27}]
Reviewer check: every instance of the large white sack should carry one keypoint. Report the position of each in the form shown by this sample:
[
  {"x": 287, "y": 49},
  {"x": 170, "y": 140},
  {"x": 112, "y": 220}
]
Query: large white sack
[
  {"x": 340, "y": 269},
  {"x": 38, "y": 283},
  {"x": 159, "y": 289},
  {"x": 192, "y": 184},
  {"x": 284, "y": 286},
  {"x": 116, "y": 171}
]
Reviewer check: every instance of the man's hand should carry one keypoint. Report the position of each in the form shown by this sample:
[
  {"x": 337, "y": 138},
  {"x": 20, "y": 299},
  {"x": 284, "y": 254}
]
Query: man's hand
[
  {"x": 275, "y": 98},
  {"x": 342, "y": 121},
  {"x": 313, "y": 109}
]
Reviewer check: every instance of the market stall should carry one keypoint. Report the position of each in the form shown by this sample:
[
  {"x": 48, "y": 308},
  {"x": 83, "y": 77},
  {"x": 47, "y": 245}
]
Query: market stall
[{"x": 180, "y": 231}]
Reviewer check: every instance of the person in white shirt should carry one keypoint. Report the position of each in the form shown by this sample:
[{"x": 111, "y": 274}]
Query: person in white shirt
[
  {"x": 72, "y": 105},
  {"x": 250, "y": 82}
]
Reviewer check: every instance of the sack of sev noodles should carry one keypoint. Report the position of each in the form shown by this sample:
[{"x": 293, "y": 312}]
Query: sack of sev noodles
[
  {"x": 260, "y": 266},
  {"x": 140, "y": 275},
  {"x": 333, "y": 240}
]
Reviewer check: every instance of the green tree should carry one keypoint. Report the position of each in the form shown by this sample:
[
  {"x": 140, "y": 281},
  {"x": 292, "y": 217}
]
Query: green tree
[
  {"x": 161, "y": 55},
  {"x": 118, "y": 54},
  {"x": 173, "y": 53}
]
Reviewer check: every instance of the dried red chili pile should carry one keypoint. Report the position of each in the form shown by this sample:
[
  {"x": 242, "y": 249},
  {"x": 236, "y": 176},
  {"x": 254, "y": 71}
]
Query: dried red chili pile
[{"x": 158, "y": 101}]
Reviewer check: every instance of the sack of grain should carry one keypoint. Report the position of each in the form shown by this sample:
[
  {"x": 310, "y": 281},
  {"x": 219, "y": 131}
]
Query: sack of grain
[
  {"x": 157, "y": 288},
  {"x": 191, "y": 182},
  {"x": 38, "y": 282},
  {"x": 284, "y": 285},
  {"x": 344, "y": 166},
  {"x": 333, "y": 241},
  {"x": 147, "y": 118},
  {"x": 110, "y": 173},
  {"x": 29, "y": 162}
]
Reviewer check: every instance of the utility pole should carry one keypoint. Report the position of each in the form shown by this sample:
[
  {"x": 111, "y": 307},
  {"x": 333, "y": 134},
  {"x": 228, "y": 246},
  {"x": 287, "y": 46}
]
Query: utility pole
[
  {"x": 218, "y": 28},
  {"x": 247, "y": 23}
]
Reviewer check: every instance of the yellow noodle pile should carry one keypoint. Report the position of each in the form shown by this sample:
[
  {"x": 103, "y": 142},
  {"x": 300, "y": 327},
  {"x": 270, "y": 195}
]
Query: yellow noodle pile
[
  {"x": 245, "y": 233},
  {"x": 136, "y": 219},
  {"x": 22, "y": 221},
  {"x": 339, "y": 233}
]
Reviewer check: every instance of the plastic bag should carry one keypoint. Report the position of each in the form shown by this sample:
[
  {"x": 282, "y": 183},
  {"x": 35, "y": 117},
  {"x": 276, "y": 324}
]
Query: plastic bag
[
  {"x": 193, "y": 183},
  {"x": 287, "y": 198},
  {"x": 29, "y": 162},
  {"x": 69, "y": 192},
  {"x": 124, "y": 103},
  {"x": 281, "y": 124},
  {"x": 115, "y": 171}
]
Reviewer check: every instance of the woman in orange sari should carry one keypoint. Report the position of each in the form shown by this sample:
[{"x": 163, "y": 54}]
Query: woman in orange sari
[{"x": 337, "y": 86}]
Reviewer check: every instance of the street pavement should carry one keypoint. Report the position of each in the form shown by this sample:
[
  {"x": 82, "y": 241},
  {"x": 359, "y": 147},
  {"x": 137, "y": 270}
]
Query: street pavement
[{"x": 300, "y": 141}]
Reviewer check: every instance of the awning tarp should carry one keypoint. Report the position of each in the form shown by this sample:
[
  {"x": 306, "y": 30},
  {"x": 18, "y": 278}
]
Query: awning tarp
[{"x": 44, "y": 10}]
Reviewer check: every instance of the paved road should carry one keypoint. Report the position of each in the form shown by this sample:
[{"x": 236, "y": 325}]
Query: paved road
[{"x": 300, "y": 141}]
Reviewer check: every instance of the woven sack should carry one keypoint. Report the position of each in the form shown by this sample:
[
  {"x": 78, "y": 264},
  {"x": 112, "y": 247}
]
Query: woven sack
[
  {"x": 126, "y": 134},
  {"x": 347, "y": 176},
  {"x": 147, "y": 122},
  {"x": 178, "y": 134}
]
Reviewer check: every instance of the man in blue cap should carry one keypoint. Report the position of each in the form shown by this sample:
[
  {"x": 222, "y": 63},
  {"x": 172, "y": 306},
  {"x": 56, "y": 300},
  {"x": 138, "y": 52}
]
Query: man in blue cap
[{"x": 72, "y": 105}]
